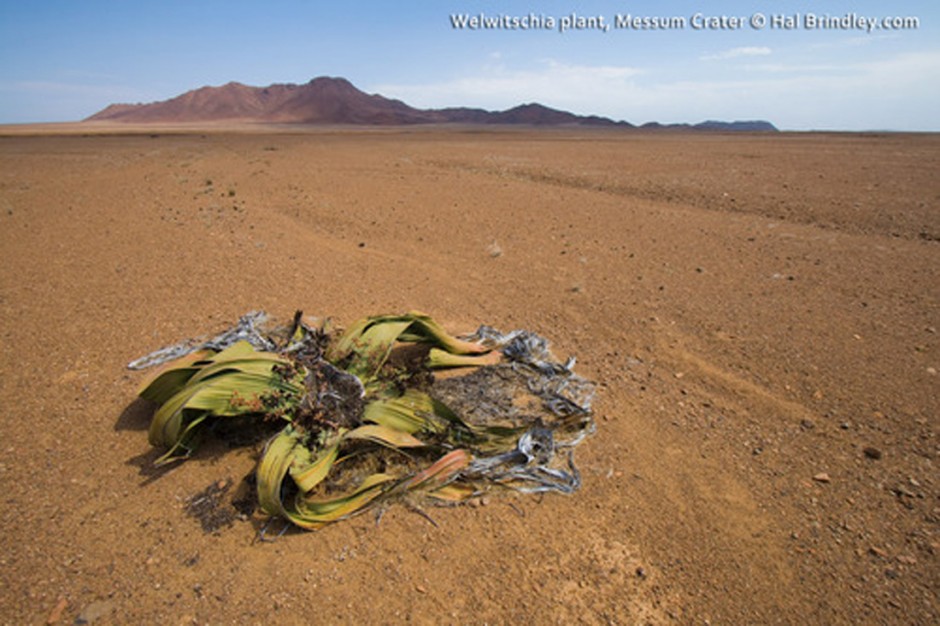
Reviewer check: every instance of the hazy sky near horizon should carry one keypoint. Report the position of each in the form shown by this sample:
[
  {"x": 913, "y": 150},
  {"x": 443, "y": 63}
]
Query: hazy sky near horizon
[{"x": 65, "y": 60}]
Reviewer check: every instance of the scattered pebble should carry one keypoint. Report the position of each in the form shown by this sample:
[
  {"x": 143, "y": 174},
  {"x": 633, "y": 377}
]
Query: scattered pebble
[
  {"x": 872, "y": 453},
  {"x": 901, "y": 490},
  {"x": 57, "y": 612},
  {"x": 878, "y": 552},
  {"x": 822, "y": 477},
  {"x": 94, "y": 611}
]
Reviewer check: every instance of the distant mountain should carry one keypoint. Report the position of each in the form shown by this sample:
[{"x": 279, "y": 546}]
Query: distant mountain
[
  {"x": 327, "y": 100},
  {"x": 747, "y": 125},
  {"x": 321, "y": 101}
]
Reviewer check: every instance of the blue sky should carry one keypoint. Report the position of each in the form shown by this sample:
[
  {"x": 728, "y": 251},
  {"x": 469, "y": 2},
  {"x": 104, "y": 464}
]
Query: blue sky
[{"x": 64, "y": 60}]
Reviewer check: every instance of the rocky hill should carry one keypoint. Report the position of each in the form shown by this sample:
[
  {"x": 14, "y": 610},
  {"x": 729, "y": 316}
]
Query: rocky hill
[{"x": 328, "y": 100}]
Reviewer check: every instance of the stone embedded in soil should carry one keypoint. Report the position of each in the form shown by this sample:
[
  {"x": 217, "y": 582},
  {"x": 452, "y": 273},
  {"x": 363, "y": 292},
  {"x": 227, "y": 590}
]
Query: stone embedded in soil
[
  {"x": 901, "y": 490},
  {"x": 872, "y": 453},
  {"x": 822, "y": 477},
  {"x": 60, "y": 607},
  {"x": 95, "y": 611}
]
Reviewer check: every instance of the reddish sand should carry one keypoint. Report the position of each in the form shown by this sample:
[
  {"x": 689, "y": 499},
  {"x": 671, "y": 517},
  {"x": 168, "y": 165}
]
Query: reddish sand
[{"x": 760, "y": 312}]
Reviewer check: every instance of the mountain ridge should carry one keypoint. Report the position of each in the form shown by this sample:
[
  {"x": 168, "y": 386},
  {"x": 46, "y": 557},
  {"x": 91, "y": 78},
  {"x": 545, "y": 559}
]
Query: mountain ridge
[{"x": 335, "y": 100}]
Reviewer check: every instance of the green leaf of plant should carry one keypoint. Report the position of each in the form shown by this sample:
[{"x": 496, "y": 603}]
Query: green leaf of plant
[
  {"x": 216, "y": 394},
  {"x": 364, "y": 348},
  {"x": 316, "y": 512},
  {"x": 171, "y": 378},
  {"x": 274, "y": 465},
  {"x": 439, "y": 359},
  {"x": 423, "y": 326},
  {"x": 185, "y": 442},
  {"x": 411, "y": 412},
  {"x": 384, "y": 435},
  {"x": 309, "y": 473}
]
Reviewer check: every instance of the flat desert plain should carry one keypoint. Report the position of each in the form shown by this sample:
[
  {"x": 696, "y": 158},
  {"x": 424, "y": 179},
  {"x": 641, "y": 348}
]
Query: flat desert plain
[{"x": 759, "y": 312}]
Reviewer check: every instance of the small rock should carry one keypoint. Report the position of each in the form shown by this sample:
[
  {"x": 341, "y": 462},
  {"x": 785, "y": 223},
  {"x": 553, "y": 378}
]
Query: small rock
[
  {"x": 907, "y": 560},
  {"x": 94, "y": 611},
  {"x": 901, "y": 490},
  {"x": 56, "y": 613},
  {"x": 932, "y": 371},
  {"x": 822, "y": 477},
  {"x": 872, "y": 453},
  {"x": 421, "y": 589},
  {"x": 806, "y": 424},
  {"x": 640, "y": 572},
  {"x": 878, "y": 552}
]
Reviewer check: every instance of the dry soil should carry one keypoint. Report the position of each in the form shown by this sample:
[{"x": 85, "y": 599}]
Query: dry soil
[{"x": 760, "y": 313}]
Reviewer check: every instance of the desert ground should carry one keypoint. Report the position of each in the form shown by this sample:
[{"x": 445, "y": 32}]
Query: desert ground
[{"x": 759, "y": 313}]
